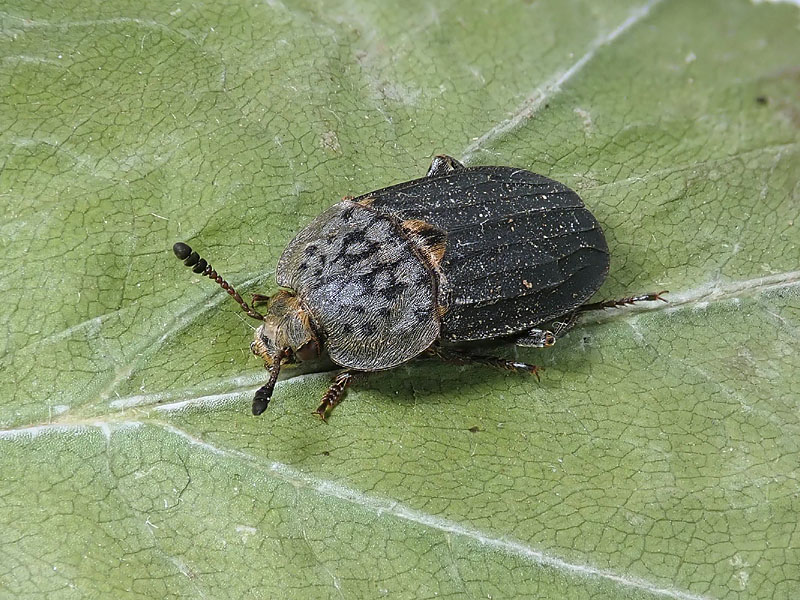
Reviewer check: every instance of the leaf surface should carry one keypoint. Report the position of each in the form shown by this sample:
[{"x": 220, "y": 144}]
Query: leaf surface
[{"x": 658, "y": 456}]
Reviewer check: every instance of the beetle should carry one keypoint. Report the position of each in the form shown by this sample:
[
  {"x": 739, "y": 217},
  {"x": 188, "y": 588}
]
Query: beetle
[{"x": 461, "y": 255}]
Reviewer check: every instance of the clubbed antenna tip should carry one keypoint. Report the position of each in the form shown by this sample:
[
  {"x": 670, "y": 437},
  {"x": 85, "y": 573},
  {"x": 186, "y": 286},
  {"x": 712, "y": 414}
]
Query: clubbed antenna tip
[
  {"x": 200, "y": 266},
  {"x": 181, "y": 250}
]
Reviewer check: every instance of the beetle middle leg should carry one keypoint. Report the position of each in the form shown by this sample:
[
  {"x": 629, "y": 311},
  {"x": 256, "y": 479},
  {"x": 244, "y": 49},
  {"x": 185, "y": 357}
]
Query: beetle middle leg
[
  {"x": 455, "y": 356},
  {"x": 547, "y": 336},
  {"x": 443, "y": 165},
  {"x": 334, "y": 394}
]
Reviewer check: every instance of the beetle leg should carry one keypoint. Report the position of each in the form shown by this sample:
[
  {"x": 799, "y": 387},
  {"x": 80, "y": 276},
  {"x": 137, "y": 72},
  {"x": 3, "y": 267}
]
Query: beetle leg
[
  {"x": 544, "y": 338},
  {"x": 492, "y": 361},
  {"x": 561, "y": 327},
  {"x": 537, "y": 338},
  {"x": 334, "y": 394},
  {"x": 624, "y": 301},
  {"x": 443, "y": 165},
  {"x": 259, "y": 299}
]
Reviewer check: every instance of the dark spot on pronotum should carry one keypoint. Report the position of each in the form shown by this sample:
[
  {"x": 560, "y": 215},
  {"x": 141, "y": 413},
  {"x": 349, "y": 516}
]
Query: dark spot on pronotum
[
  {"x": 423, "y": 278},
  {"x": 354, "y": 237},
  {"x": 392, "y": 291},
  {"x": 762, "y": 100},
  {"x": 325, "y": 453},
  {"x": 474, "y": 429}
]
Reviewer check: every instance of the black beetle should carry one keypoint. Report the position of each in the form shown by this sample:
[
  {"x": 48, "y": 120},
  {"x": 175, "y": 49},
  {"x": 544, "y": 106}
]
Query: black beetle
[{"x": 460, "y": 255}]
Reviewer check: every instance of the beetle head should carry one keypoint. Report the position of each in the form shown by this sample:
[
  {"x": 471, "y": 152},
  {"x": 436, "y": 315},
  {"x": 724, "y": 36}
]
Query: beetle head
[
  {"x": 286, "y": 333},
  {"x": 285, "y": 336}
]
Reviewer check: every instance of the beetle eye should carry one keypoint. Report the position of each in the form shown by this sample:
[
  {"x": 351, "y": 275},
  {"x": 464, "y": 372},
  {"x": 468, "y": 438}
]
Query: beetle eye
[
  {"x": 308, "y": 351},
  {"x": 549, "y": 339}
]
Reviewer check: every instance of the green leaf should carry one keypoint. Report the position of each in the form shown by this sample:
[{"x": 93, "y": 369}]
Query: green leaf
[{"x": 658, "y": 456}]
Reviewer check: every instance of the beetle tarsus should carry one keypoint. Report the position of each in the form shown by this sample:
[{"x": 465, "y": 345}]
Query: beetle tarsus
[
  {"x": 652, "y": 297},
  {"x": 492, "y": 361},
  {"x": 548, "y": 333},
  {"x": 532, "y": 369},
  {"x": 509, "y": 365},
  {"x": 334, "y": 394}
]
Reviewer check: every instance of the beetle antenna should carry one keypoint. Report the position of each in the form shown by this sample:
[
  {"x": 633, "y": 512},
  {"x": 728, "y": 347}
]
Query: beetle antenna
[
  {"x": 200, "y": 266},
  {"x": 264, "y": 393}
]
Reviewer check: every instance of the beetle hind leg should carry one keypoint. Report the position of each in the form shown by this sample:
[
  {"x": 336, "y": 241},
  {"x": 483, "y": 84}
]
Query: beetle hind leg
[
  {"x": 501, "y": 363},
  {"x": 443, "y": 165},
  {"x": 652, "y": 297}
]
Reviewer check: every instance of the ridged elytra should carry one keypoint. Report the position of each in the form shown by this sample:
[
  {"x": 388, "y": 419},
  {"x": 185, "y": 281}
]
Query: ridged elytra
[{"x": 419, "y": 268}]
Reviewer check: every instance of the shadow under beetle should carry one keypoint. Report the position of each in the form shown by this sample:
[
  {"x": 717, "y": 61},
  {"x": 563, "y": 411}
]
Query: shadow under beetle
[{"x": 460, "y": 255}]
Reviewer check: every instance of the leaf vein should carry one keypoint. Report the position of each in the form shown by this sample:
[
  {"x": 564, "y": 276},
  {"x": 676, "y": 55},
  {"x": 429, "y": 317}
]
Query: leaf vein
[
  {"x": 552, "y": 86},
  {"x": 383, "y": 506}
]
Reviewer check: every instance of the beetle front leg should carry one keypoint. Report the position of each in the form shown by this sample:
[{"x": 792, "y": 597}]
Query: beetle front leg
[
  {"x": 443, "y": 165},
  {"x": 256, "y": 299},
  {"x": 334, "y": 394}
]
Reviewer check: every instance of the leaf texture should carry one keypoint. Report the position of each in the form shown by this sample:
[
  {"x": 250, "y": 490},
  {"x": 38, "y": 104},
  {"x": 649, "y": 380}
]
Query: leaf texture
[{"x": 658, "y": 456}]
